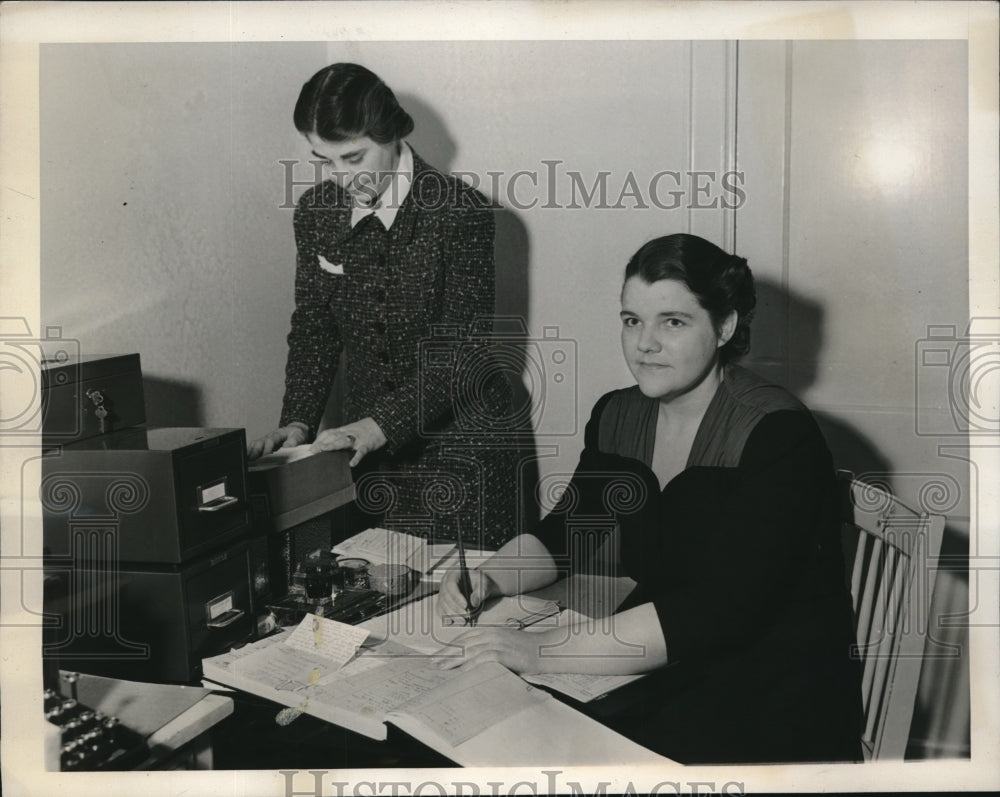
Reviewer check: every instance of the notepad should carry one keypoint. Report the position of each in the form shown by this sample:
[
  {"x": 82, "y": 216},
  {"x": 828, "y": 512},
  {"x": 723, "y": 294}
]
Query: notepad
[{"x": 318, "y": 636}]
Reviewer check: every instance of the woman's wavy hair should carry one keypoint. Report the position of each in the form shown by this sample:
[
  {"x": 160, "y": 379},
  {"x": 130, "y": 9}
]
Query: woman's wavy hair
[
  {"x": 720, "y": 281},
  {"x": 344, "y": 101}
]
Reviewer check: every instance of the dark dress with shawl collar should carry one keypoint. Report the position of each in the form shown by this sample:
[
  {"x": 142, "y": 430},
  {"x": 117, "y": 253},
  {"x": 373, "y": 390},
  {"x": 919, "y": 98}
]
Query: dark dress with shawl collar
[{"x": 740, "y": 555}]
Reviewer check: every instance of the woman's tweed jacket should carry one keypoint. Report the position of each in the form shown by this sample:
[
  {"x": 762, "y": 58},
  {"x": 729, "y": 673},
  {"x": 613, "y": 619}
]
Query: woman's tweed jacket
[{"x": 405, "y": 311}]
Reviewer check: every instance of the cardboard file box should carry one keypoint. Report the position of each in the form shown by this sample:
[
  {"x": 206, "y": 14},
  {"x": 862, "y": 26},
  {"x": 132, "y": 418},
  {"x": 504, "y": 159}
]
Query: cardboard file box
[{"x": 286, "y": 494}]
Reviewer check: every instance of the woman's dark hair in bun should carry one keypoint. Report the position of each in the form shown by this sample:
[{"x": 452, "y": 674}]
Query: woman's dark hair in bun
[
  {"x": 721, "y": 282},
  {"x": 344, "y": 101}
]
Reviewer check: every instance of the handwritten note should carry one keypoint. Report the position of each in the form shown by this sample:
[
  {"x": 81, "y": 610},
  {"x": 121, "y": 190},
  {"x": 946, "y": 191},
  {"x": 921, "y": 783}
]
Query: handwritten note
[
  {"x": 280, "y": 667},
  {"x": 226, "y": 663},
  {"x": 336, "y": 642}
]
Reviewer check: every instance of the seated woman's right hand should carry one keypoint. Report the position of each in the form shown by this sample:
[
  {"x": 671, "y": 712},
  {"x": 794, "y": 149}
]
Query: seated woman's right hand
[
  {"x": 450, "y": 601},
  {"x": 285, "y": 437}
]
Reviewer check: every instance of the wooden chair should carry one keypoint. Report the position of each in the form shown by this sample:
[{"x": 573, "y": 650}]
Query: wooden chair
[{"x": 889, "y": 551}]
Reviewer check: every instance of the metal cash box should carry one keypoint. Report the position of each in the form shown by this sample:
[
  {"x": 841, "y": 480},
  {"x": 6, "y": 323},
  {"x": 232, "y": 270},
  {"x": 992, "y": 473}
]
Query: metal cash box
[{"x": 87, "y": 396}]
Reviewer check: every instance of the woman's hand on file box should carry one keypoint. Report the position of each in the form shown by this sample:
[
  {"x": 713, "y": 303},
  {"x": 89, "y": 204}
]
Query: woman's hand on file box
[
  {"x": 362, "y": 437},
  {"x": 451, "y": 604},
  {"x": 294, "y": 434}
]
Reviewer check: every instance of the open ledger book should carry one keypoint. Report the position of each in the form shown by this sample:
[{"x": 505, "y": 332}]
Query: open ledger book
[{"x": 483, "y": 716}]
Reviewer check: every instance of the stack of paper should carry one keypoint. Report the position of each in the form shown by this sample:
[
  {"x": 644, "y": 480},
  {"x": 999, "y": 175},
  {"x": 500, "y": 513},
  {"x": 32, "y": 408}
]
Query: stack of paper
[{"x": 385, "y": 547}]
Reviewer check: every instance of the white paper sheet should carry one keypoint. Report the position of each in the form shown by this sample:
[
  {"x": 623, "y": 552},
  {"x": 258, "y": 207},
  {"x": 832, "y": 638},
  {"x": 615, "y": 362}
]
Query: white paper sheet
[
  {"x": 418, "y": 626},
  {"x": 336, "y": 642},
  {"x": 282, "y": 457}
]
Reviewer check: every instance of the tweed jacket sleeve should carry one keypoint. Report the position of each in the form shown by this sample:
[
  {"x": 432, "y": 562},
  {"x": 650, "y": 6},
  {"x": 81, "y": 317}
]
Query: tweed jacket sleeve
[
  {"x": 314, "y": 342},
  {"x": 424, "y": 398}
]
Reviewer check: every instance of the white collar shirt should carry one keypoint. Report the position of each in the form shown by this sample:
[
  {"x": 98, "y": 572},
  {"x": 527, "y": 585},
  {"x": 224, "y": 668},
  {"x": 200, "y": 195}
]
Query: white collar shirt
[{"x": 395, "y": 193}]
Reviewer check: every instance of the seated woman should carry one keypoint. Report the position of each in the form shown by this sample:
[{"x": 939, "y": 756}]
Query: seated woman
[{"x": 740, "y": 606}]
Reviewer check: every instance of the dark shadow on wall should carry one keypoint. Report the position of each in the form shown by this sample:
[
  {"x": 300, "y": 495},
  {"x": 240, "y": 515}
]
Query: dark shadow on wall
[
  {"x": 172, "y": 403},
  {"x": 430, "y": 138},
  {"x": 787, "y": 345},
  {"x": 786, "y": 337}
]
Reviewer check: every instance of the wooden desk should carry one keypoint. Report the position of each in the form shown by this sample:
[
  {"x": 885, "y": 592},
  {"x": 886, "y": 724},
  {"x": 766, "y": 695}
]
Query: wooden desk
[{"x": 175, "y": 720}]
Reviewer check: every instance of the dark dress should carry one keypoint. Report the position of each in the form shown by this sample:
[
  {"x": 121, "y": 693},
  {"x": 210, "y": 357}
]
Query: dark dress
[
  {"x": 740, "y": 555},
  {"x": 412, "y": 311}
]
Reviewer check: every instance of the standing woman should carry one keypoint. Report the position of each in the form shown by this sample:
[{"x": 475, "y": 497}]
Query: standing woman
[{"x": 393, "y": 253}]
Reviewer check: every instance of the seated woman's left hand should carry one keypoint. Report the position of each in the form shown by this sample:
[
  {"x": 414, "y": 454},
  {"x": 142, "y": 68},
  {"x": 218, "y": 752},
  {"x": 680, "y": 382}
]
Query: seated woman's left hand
[
  {"x": 362, "y": 436},
  {"x": 515, "y": 649}
]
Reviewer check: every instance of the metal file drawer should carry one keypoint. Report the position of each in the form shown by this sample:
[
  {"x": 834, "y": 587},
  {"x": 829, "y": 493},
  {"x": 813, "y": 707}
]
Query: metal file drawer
[
  {"x": 149, "y": 625},
  {"x": 171, "y": 494}
]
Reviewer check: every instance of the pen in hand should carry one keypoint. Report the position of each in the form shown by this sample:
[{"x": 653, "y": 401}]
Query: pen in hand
[{"x": 465, "y": 583}]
